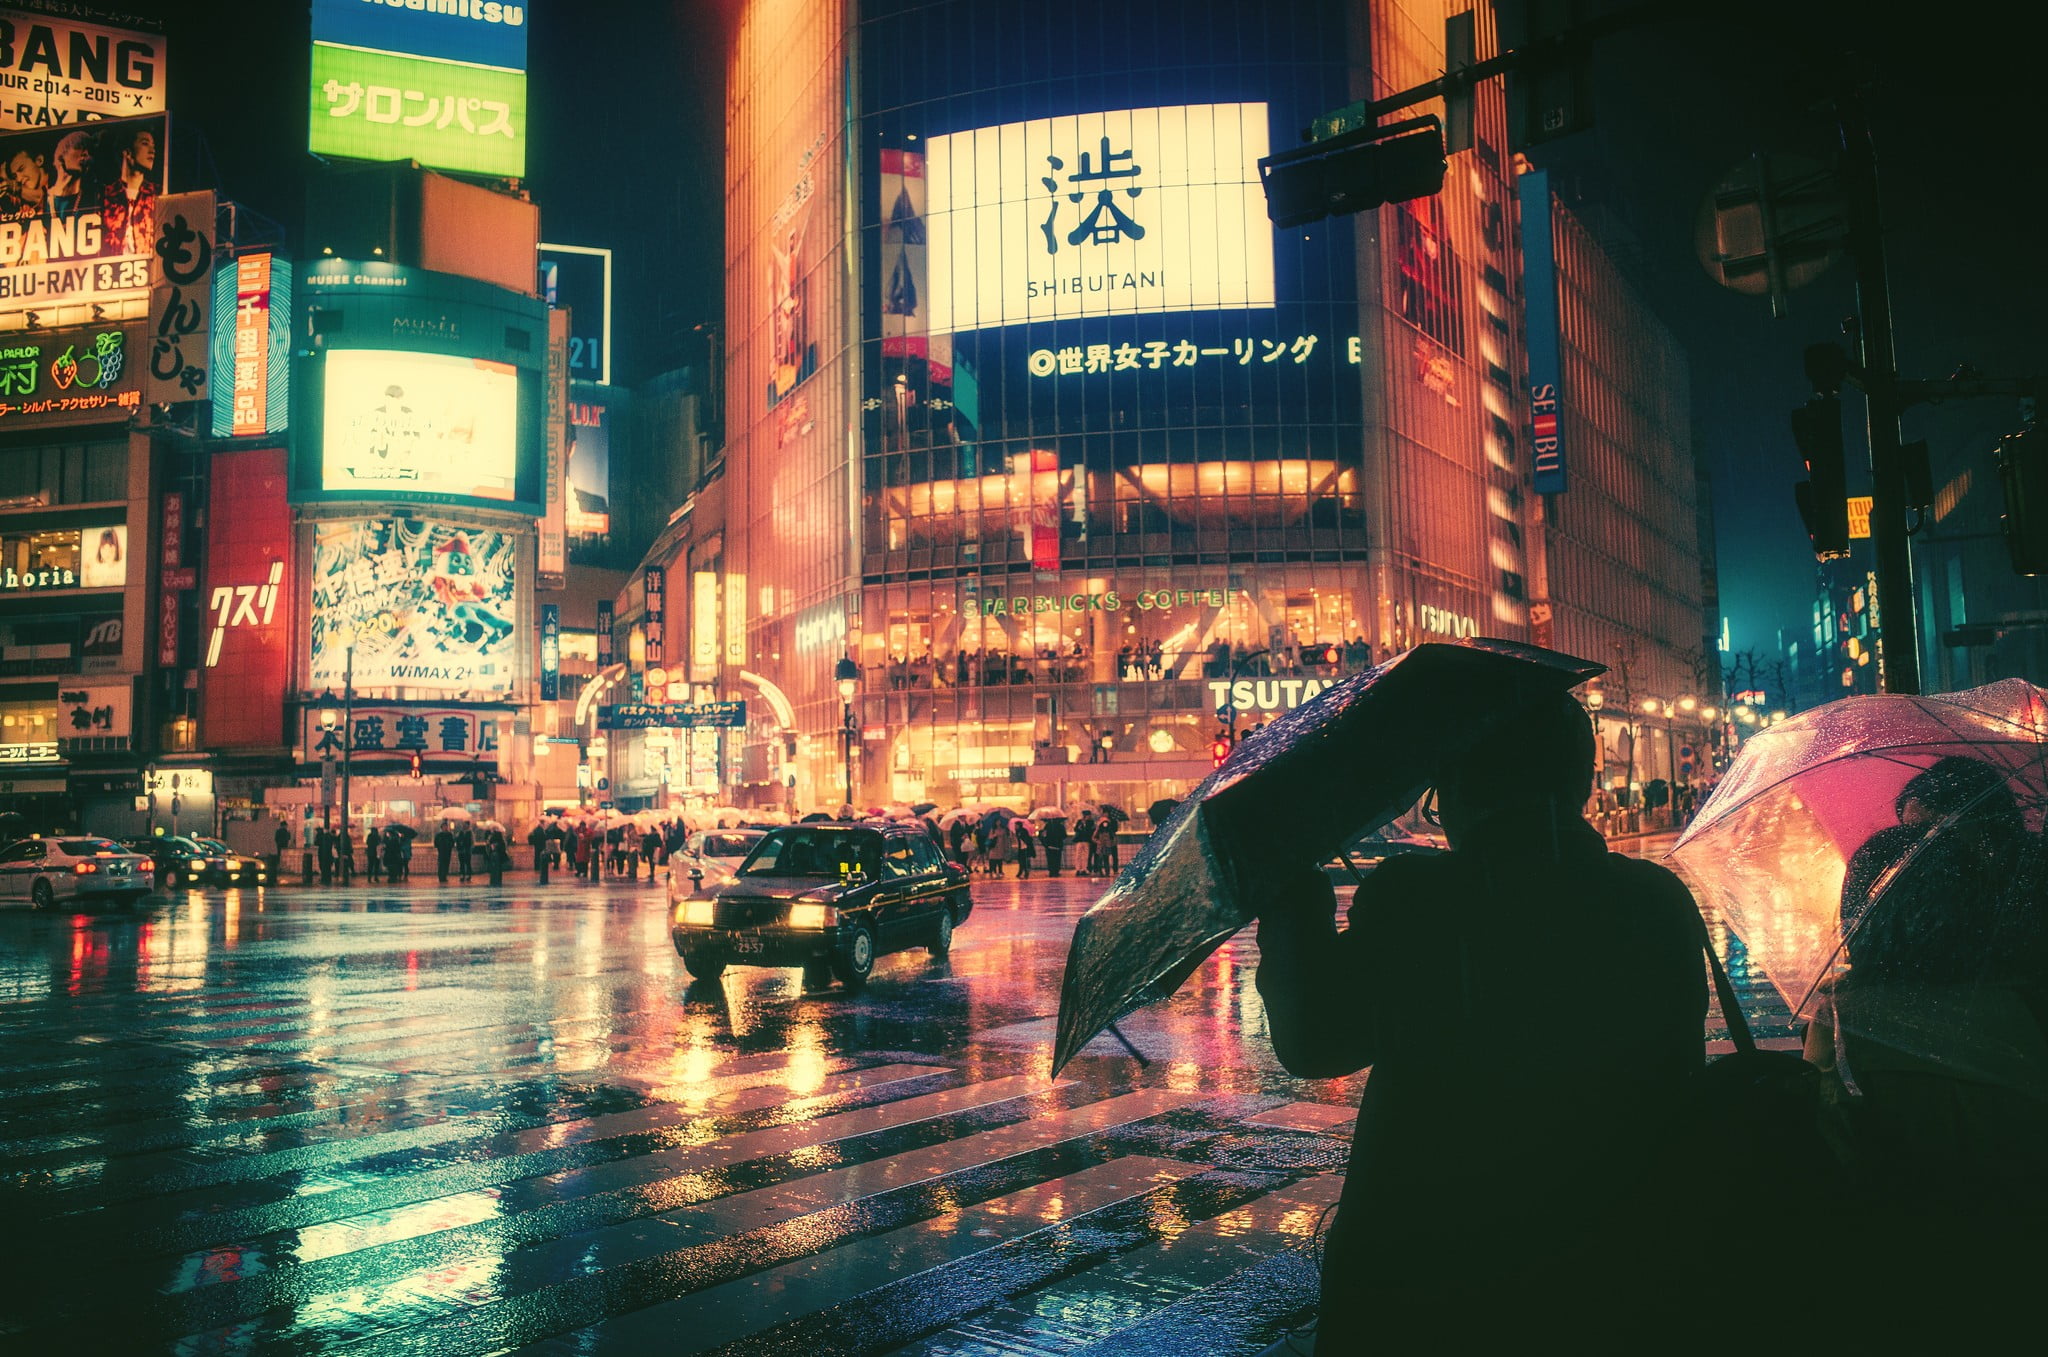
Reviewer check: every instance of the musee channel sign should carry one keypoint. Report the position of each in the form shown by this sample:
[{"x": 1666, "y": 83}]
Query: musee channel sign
[{"x": 669, "y": 715}]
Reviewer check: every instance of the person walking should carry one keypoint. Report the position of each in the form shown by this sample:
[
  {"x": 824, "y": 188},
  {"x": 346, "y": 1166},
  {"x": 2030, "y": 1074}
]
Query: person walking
[
  {"x": 1021, "y": 830},
  {"x": 444, "y": 849},
  {"x": 539, "y": 841},
  {"x": 465, "y": 852},
  {"x": 650, "y": 849},
  {"x": 373, "y": 849},
  {"x": 1105, "y": 846},
  {"x": 395, "y": 847},
  {"x": 1084, "y": 839},
  {"x": 956, "y": 835},
  {"x": 586, "y": 837},
  {"x": 1490, "y": 1173},
  {"x": 323, "y": 843},
  {"x": 1054, "y": 837},
  {"x": 282, "y": 837}
]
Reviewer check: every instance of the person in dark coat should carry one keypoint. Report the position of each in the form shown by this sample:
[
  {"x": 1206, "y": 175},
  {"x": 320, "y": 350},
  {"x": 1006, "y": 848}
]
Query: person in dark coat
[
  {"x": 283, "y": 839},
  {"x": 323, "y": 843},
  {"x": 394, "y": 855},
  {"x": 650, "y": 849},
  {"x": 444, "y": 849},
  {"x": 1084, "y": 840},
  {"x": 373, "y": 851},
  {"x": 956, "y": 834},
  {"x": 1026, "y": 846},
  {"x": 1054, "y": 838},
  {"x": 497, "y": 856},
  {"x": 465, "y": 853},
  {"x": 1491, "y": 1168}
]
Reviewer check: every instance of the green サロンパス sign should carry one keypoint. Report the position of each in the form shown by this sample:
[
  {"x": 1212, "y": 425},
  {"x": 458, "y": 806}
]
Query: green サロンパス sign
[{"x": 380, "y": 106}]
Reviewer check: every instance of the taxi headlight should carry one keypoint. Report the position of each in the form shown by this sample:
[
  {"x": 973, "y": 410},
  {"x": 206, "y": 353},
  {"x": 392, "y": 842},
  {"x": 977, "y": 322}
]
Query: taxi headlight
[
  {"x": 812, "y": 916},
  {"x": 694, "y": 912}
]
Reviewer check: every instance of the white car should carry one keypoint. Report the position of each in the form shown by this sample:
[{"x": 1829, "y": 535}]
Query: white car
[
  {"x": 81, "y": 869},
  {"x": 711, "y": 856}
]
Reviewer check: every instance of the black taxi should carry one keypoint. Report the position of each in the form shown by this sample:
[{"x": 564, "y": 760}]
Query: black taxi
[{"x": 827, "y": 897}]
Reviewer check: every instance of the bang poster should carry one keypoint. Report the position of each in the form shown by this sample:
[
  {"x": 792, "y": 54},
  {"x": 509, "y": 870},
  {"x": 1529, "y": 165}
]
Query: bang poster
[{"x": 427, "y": 605}]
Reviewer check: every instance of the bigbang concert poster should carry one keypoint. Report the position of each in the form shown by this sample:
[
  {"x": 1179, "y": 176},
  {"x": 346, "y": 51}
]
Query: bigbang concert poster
[{"x": 428, "y": 606}]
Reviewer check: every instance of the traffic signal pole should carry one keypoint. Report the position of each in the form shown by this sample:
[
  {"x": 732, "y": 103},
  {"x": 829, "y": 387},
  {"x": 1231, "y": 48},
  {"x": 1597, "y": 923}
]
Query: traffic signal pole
[{"x": 1899, "y": 632}]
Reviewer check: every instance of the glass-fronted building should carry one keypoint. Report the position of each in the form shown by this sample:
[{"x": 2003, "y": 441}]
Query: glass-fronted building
[{"x": 1036, "y": 419}]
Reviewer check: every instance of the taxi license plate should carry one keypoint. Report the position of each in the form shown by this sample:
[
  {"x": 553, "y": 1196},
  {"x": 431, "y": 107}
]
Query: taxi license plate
[{"x": 747, "y": 946}]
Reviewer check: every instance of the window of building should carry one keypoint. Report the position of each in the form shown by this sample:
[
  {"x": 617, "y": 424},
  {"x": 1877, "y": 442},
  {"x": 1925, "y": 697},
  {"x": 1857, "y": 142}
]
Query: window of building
[{"x": 64, "y": 473}]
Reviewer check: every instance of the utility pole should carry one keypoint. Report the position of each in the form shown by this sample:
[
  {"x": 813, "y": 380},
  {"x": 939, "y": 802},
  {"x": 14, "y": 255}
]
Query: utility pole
[{"x": 1899, "y": 658}]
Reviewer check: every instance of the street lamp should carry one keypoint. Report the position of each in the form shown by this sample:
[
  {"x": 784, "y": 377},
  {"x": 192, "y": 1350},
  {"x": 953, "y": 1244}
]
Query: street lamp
[
  {"x": 330, "y": 720},
  {"x": 847, "y": 675}
]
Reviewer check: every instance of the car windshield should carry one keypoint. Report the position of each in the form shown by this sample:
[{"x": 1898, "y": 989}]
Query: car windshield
[
  {"x": 812, "y": 852},
  {"x": 729, "y": 845},
  {"x": 212, "y": 845},
  {"x": 85, "y": 848}
]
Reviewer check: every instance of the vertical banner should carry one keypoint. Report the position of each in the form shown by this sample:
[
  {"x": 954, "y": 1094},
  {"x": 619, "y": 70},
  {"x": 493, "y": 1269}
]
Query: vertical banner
[
  {"x": 657, "y": 617},
  {"x": 736, "y": 621},
  {"x": 554, "y": 529},
  {"x": 245, "y": 656},
  {"x": 181, "y": 300},
  {"x": 170, "y": 557},
  {"x": 550, "y": 652},
  {"x": 251, "y": 412},
  {"x": 1539, "y": 302},
  {"x": 704, "y": 627},
  {"x": 1045, "y": 510},
  {"x": 605, "y": 649}
]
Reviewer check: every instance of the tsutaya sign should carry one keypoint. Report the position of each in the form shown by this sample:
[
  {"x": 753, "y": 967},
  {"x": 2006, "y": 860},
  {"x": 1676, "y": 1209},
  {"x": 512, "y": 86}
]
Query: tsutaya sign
[
  {"x": 1266, "y": 694},
  {"x": 1101, "y": 600}
]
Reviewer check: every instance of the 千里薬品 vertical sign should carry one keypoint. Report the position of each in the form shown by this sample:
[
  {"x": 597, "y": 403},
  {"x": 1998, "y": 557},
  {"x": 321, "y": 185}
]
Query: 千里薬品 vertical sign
[{"x": 1543, "y": 343}]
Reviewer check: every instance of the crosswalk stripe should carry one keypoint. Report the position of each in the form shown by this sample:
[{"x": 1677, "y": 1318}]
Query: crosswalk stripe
[
  {"x": 1321, "y": 1117},
  {"x": 729, "y": 1312}
]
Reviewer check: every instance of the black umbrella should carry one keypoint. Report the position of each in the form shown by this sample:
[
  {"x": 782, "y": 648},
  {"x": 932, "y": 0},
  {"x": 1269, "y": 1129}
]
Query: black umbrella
[
  {"x": 1345, "y": 762},
  {"x": 403, "y": 831},
  {"x": 1162, "y": 810},
  {"x": 1116, "y": 813},
  {"x": 816, "y": 817},
  {"x": 924, "y": 808}
]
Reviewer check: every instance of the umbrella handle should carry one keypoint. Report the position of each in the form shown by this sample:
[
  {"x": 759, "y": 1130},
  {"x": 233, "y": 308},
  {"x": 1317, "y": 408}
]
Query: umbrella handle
[
  {"x": 1136, "y": 1054},
  {"x": 1724, "y": 991}
]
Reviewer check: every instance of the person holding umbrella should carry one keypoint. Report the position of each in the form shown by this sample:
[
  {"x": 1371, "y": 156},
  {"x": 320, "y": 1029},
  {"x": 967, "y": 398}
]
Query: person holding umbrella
[
  {"x": 1020, "y": 830},
  {"x": 444, "y": 849},
  {"x": 1488, "y": 1169},
  {"x": 1054, "y": 837}
]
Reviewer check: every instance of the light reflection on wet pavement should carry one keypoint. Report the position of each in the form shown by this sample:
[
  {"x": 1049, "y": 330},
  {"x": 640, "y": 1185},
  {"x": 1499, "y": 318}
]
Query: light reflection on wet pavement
[{"x": 499, "y": 1120}]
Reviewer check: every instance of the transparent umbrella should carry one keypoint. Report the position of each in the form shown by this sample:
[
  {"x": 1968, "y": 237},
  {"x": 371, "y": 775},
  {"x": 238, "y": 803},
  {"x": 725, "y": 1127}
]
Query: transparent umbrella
[{"x": 1880, "y": 858}]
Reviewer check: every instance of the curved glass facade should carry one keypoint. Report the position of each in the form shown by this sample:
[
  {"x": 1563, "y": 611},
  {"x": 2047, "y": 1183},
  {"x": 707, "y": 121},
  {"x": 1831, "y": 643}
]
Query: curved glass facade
[{"x": 1112, "y": 436}]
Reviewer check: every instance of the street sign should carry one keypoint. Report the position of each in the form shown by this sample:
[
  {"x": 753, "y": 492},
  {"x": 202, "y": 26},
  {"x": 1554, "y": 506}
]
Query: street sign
[{"x": 672, "y": 715}]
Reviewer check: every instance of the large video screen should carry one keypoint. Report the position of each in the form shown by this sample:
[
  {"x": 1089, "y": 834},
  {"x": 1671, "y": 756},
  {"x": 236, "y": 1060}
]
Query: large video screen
[
  {"x": 427, "y": 606},
  {"x": 395, "y": 421},
  {"x": 1121, "y": 213}
]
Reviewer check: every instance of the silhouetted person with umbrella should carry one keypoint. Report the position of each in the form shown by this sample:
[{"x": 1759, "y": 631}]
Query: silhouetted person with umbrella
[{"x": 1492, "y": 1142}]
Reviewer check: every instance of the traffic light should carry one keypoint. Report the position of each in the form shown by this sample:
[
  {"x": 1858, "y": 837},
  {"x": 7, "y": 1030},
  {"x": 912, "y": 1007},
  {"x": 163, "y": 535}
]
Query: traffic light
[
  {"x": 414, "y": 770},
  {"x": 1219, "y": 750},
  {"x": 1354, "y": 170},
  {"x": 1550, "y": 94},
  {"x": 2023, "y": 473},
  {"x": 1823, "y": 497}
]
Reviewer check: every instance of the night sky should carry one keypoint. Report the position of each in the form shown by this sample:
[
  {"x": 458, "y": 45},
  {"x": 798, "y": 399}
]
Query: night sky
[{"x": 627, "y": 133}]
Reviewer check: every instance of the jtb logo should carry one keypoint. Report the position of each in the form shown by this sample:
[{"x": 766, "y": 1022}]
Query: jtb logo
[{"x": 244, "y": 605}]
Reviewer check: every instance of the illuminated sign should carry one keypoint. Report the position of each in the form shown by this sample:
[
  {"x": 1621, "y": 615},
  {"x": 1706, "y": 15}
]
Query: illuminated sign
[
  {"x": 95, "y": 712},
  {"x": 252, "y": 307},
  {"x": 56, "y": 71},
  {"x": 736, "y": 619},
  {"x": 240, "y": 605},
  {"x": 554, "y": 530},
  {"x": 1101, "y": 600},
  {"x": 1445, "y": 622},
  {"x": 78, "y": 216},
  {"x": 578, "y": 279},
  {"x": 590, "y": 472},
  {"x": 34, "y": 581},
  {"x": 392, "y": 733},
  {"x": 423, "y": 423},
  {"x": 1265, "y": 694},
  {"x": 654, "y": 629},
  {"x": 1859, "y": 517},
  {"x": 1122, "y": 213},
  {"x": 703, "y": 626},
  {"x": 1544, "y": 336},
  {"x": 372, "y": 105},
  {"x": 1078, "y": 360},
  {"x": 426, "y": 604},
  {"x": 42, "y": 751},
  {"x": 672, "y": 715},
  {"x": 481, "y": 32},
  {"x": 181, "y": 300},
  {"x": 821, "y": 627},
  {"x": 103, "y": 557},
  {"x": 606, "y": 641},
  {"x": 75, "y": 376},
  {"x": 550, "y": 652}
]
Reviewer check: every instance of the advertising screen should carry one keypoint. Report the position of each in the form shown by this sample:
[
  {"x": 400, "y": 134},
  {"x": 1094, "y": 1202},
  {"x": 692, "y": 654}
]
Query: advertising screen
[
  {"x": 443, "y": 84},
  {"x": 247, "y": 616},
  {"x": 578, "y": 279},
  {"x": 78, "y": 214},
  {"x": 82, "y": 375},
  {"x": 590, "y": 477},
  {"x": 252, "y": 337},
  {"x": 427, "y": 606},
  {"x": 1122, "y": 213},
  {"x": 58, "y": 70},
  {"x": 419, "y": 423},
  {"x": 103, "y": 557}
]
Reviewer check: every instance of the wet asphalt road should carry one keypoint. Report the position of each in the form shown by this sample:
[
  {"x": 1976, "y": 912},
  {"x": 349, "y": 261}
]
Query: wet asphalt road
[{"x": 473, "y": 1119}]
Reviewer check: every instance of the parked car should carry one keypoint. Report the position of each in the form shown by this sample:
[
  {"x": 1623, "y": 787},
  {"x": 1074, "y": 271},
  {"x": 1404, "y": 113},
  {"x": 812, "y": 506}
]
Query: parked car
[
  {"x": 827, "y": 897},
  {"x": 713, "y": 855},
  {"x": 234, "y": 869},
  {"x": 80, "y": 868}
]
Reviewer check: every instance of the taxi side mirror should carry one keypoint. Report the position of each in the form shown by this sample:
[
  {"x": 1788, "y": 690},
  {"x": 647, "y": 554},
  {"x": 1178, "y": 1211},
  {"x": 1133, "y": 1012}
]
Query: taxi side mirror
[{"x": 696, "y": 876}]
